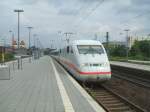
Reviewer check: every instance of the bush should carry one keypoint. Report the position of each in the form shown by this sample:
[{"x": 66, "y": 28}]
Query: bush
[
  {"x": 119, "y": 51},
  {"x": 8, "y": 57},
  {"x": 141, "y": 50}
]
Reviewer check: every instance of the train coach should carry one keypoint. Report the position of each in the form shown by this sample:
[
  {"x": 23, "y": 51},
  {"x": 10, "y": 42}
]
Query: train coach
[{"x": 86, "y": 60}]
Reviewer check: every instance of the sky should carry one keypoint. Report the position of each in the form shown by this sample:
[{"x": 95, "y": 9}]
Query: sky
[{"x": 50, "y": 19}]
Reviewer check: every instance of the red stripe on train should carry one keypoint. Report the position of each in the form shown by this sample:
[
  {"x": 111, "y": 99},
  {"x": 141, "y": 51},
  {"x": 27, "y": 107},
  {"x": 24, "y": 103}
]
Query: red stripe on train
[
  {"x": 94, "y": 73},
  {"x": 85, "y": 73}
]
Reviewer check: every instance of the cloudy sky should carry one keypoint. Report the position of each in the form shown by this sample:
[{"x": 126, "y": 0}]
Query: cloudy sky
[{"x": 85, "y": 18}]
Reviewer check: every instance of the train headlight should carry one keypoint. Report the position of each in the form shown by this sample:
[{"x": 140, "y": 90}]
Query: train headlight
[
  {"x": 84, "y": 64},
  {"x": 105, "y": 64}
]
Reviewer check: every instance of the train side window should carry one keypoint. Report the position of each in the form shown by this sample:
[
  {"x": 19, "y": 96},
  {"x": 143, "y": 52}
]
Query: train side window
[{"x": 67, "y": 49}]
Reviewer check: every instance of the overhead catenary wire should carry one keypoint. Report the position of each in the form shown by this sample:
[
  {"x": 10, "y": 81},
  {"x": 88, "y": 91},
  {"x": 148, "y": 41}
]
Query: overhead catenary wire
[
  {"x": 90, "y": 12},
  {"x": 134, "y": 18},
  {"x": 93, "y": 9}
]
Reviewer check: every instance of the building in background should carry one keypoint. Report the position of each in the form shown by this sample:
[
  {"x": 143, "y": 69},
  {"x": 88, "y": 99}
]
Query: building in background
[
  {"x": 22, "y": 44},
  {"x": 15, "y": 45}
]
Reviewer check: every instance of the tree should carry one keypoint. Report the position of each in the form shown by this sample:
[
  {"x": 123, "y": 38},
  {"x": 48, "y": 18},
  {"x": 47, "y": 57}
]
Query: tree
[
  {"x": 135, "y": 50},
  {"x": 118, "y": 51},
  {"x": 145, "y": 48},
  {"x": 141, "y": 49}
]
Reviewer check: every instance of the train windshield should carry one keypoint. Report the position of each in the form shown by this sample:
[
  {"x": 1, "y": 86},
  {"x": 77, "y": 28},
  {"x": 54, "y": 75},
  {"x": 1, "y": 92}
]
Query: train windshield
[{"x": 90, "y": 49}]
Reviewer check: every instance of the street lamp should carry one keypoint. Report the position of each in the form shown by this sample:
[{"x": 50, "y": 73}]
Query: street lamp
[
  {"x": 12, "y": 39},
  {"x": 18, "y": 11},
  {"x": 34, "y": 39},
  {"x": 29, "y": 28},
  {"x": 107, "y": 43},
  {"x": 59, "y": 33},
  {"x": 127, "y": 42}
]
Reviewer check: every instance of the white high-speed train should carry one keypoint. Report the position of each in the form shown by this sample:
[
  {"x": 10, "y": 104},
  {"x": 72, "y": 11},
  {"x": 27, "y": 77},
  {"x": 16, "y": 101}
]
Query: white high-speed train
[{"x": 86, "y": 60}]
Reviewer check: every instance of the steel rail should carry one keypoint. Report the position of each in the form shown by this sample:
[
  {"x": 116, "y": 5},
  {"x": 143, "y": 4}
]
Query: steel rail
[
  {"x": 111, "y": 101},
  {"x": 132, "y": 79}
]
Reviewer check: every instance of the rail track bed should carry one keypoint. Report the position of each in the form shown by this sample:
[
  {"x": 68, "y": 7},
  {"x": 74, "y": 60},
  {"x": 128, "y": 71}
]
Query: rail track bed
[
  {"x": 145, "y": 83},
  {"x": 131, "y": 83},
  {"x": 132, "y": 72},
  {"x": 111, "y": 101},
  {"x": 134, "y": 92}
]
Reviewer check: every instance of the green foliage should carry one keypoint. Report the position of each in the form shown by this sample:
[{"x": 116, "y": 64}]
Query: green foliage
[
  {"x": 119, "y": 51},
  {"x": 8, "y": 57},
  {"x": 135, "y": 50},
  {"x": 141, "y": 50},
  {"x": 145, "y": 48}
]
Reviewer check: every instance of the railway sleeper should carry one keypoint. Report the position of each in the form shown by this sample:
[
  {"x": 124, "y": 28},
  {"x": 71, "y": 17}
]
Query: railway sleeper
[
  {"x": 104, "y": 96},
  {"x": 99, "y": 93},
  {"x": 103, "y": 92},
  {"x": 116, "y": 104},
  {"x": 107, "y": 98},
  {"x": 120, "y": 109},
  {"x": 113, "y": 101}
]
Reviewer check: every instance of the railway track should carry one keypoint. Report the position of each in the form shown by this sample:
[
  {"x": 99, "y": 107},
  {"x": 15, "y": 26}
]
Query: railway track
[
  {"x": 132, "y": 78},
  {"x": 111, "y": 101},
  {"x": 138, "y": 74}
]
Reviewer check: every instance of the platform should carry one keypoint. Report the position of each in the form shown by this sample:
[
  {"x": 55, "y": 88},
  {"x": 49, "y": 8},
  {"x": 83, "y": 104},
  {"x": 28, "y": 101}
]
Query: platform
[
  {"x": 131, "y": 65},
  {"x": 139, "y": 62},
  {"x": 44, "y": 86}
]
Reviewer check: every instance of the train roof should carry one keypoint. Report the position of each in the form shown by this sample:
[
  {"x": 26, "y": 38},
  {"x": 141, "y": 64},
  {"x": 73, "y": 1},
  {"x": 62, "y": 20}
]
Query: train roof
[{"x": 86, "y": 42}]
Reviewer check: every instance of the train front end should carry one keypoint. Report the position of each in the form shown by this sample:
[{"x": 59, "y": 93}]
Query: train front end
[{"x": 93, "y": 64}]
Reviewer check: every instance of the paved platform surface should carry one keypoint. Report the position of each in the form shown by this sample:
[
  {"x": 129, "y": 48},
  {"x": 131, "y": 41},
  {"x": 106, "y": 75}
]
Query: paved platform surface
[
  {"x": 139, "y": 62},
  {"x": 44, "y": 86},
  {"x": 131, "y": 65}
]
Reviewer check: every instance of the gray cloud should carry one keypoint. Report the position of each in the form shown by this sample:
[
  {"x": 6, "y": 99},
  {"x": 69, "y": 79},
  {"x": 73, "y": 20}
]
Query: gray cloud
[
  {"x": 84, "y": 17},
  {"x": 68, "y": 12},
  {"x": 31, "y": 2}
]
